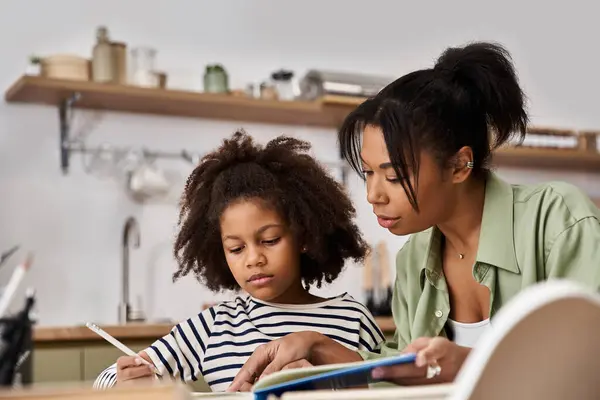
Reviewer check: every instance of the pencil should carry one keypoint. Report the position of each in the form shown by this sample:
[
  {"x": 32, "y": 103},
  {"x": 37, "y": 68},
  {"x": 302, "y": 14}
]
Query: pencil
[
  {"x": 13, "y": 284},
  {"x": 95, "y": 328}
]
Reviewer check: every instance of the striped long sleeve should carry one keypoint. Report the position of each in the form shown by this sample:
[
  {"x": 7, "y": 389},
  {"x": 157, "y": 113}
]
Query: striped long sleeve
[
  {"x": 215, "y": 344},
  {"x": 178, "y": 354}
]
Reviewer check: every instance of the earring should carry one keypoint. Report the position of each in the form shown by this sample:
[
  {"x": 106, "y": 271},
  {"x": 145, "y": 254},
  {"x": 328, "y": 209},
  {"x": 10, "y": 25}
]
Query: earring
[
  {"x": 470, "y": 164},
  {"x": 304, "y": 249}
]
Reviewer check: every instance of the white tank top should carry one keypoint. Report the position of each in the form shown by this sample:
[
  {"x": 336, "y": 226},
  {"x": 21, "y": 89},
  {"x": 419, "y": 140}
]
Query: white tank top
[{"x": 467, "y": 335}]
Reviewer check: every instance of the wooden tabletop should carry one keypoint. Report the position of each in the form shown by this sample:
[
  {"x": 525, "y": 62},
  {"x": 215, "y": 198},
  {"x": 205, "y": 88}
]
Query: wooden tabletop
[{"x": 135, "y": 331}]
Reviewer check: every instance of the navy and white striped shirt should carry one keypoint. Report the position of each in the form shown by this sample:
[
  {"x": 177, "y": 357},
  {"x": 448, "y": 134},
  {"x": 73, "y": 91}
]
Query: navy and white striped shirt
[{"x": 216, "y": 343}]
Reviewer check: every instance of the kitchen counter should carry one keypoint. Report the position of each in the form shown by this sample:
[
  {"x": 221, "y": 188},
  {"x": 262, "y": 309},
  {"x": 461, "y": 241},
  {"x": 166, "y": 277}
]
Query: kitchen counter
[
  {"x": 132, "y": 331},
  {"x": 135, "y": 331},
  {"x": 82, "y": 354}
]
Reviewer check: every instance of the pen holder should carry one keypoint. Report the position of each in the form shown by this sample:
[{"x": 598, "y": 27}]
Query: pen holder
[{"x": 16, "y": 351}]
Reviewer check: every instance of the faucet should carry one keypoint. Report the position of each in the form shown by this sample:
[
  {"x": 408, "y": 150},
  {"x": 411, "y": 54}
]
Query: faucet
[{"x": 125, "y": 312}]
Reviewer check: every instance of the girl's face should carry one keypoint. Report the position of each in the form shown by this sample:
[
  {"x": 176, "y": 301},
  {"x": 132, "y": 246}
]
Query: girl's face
[
  {"x": 435, "y": 191},
  {"x": 261, "y": 252}
]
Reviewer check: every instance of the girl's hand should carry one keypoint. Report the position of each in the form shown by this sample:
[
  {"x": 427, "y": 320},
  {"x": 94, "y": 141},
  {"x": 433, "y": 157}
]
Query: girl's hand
[
  {"x": 132, "y": 369},
  {"x": 437, "y": 355}
]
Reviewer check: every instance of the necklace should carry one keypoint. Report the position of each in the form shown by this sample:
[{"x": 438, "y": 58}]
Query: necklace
[{"x": 460, "y": 255}]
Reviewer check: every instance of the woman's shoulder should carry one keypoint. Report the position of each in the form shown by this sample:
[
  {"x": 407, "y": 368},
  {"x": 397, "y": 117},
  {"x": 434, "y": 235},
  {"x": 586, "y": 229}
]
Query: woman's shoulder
[{"x": 555, "y": 198}]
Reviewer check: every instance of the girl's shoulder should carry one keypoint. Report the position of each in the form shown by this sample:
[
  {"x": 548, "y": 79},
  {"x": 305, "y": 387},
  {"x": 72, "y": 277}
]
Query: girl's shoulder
[
  {"x": 346, "y": 299},
  {"x": 231, "y": 308},
  {"x": 345, "y": 302},
  {"x": 234, "y": 308},
  {"x": 340, "y": 302},
  {"x": 236, "y": 304}
]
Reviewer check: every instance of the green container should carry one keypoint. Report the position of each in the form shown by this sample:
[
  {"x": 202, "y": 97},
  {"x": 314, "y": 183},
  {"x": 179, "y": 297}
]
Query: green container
[{"x": 215, "y": 79}]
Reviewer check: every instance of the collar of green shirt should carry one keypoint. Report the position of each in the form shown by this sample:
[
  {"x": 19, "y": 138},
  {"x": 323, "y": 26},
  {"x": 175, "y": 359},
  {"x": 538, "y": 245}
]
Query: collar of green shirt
[{"x": 496, "y": 240}]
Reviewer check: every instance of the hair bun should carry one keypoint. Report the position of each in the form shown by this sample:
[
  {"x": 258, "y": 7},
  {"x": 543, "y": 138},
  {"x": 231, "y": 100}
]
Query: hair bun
[{"x": 485, "y": 71}]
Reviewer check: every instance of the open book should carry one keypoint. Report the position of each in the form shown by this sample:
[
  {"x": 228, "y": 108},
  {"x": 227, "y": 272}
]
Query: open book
[
  {"x": 543, "y": 345},
  {"x": 324, "y": 377}
]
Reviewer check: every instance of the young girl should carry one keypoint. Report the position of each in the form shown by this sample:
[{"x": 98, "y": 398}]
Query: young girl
[{"x": 271, "y": 222}]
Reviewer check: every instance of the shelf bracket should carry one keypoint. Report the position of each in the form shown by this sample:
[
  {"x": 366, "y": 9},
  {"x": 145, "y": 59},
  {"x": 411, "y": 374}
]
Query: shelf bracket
[{"x": 64, "y": 114}]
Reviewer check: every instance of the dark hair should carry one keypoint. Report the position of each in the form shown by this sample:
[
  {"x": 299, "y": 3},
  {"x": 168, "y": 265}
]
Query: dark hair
[
  {"x": 471, "y": 93},
  {"x": 316, "y": 208}
]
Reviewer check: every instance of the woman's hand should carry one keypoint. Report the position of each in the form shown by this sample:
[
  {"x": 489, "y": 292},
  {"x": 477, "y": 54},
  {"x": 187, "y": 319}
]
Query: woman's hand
[
  {"x": 132, "y": 369},
  {"x": 431, "y": 352},
  {"x": 290, "y": 350},
  {"x": 296, "y": 350},
  {"x": 298, "y": 364}
]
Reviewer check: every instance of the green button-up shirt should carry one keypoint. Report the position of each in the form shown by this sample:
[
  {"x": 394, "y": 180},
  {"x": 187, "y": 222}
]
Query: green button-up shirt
[{"x": 528, "y": 234}]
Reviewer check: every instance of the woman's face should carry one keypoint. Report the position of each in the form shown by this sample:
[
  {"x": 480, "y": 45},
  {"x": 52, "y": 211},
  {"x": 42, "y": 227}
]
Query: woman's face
[{"x": 435, "y": 190}]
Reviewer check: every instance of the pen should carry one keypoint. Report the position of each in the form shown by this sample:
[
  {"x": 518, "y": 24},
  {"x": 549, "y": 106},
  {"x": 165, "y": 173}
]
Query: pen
[{"x": 95, "y": 328}]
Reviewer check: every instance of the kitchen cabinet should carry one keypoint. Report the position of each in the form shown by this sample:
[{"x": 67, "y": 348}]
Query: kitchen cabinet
[
  {"x": 63, "y": 364},
  {"x": 97, "y": 356},
  {"x": 82, "y": 361}
]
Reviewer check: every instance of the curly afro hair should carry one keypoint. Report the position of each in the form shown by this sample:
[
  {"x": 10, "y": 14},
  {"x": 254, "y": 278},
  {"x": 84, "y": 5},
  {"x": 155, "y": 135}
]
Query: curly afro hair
[{"x": 316, "y": 208}]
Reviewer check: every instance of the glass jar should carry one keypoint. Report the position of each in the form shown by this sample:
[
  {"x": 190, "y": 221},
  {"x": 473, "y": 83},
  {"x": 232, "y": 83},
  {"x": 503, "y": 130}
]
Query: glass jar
[
  {"x": 120, "y": 60},
  {"x": 142, "y": 67},
  {"x": 268, "y": 91},
  {"x": 103, "y": 65},
  {"x": 284, "y": 85},
  {"x": 215, "y": 79}
]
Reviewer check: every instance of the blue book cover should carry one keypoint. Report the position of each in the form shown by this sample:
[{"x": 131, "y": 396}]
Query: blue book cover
[{"x": 326, "y": 377}]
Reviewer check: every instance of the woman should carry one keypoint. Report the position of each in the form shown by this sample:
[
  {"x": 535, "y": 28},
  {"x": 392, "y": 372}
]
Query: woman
[{"x": 422, "y": 145}]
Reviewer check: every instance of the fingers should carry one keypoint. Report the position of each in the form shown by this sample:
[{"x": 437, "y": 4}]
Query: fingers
[
  {"x": 428, "y": 350},
  {"x": 298, "y": 364},
  {"x": 435, "y": 350},
  {"x": 398, "y": 373},
  {"x": 126, "y": 361},
  {"x": 275, "y": 366},
  {"x": 134, "y": 373},
  {"x": 417, "y": 345},
  {"x": 136, "y": 382},
  {"x": 254, "y": 366},
  {"x": 145, "y": 356},
  {"x": 437, "y": 360},
  {"x": 405, "y": 375},
  {"x": 129, "y": 368},
  {"x": 246, "y": 387},
  {"x": 129, "y": 361}
]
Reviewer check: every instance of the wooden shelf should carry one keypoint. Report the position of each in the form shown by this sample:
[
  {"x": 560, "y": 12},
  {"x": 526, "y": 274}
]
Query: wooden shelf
[
  {"x": 328, "y": 112},
  {"x": 100, "y": 96},
  {"x": 524, "y": 157}
]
